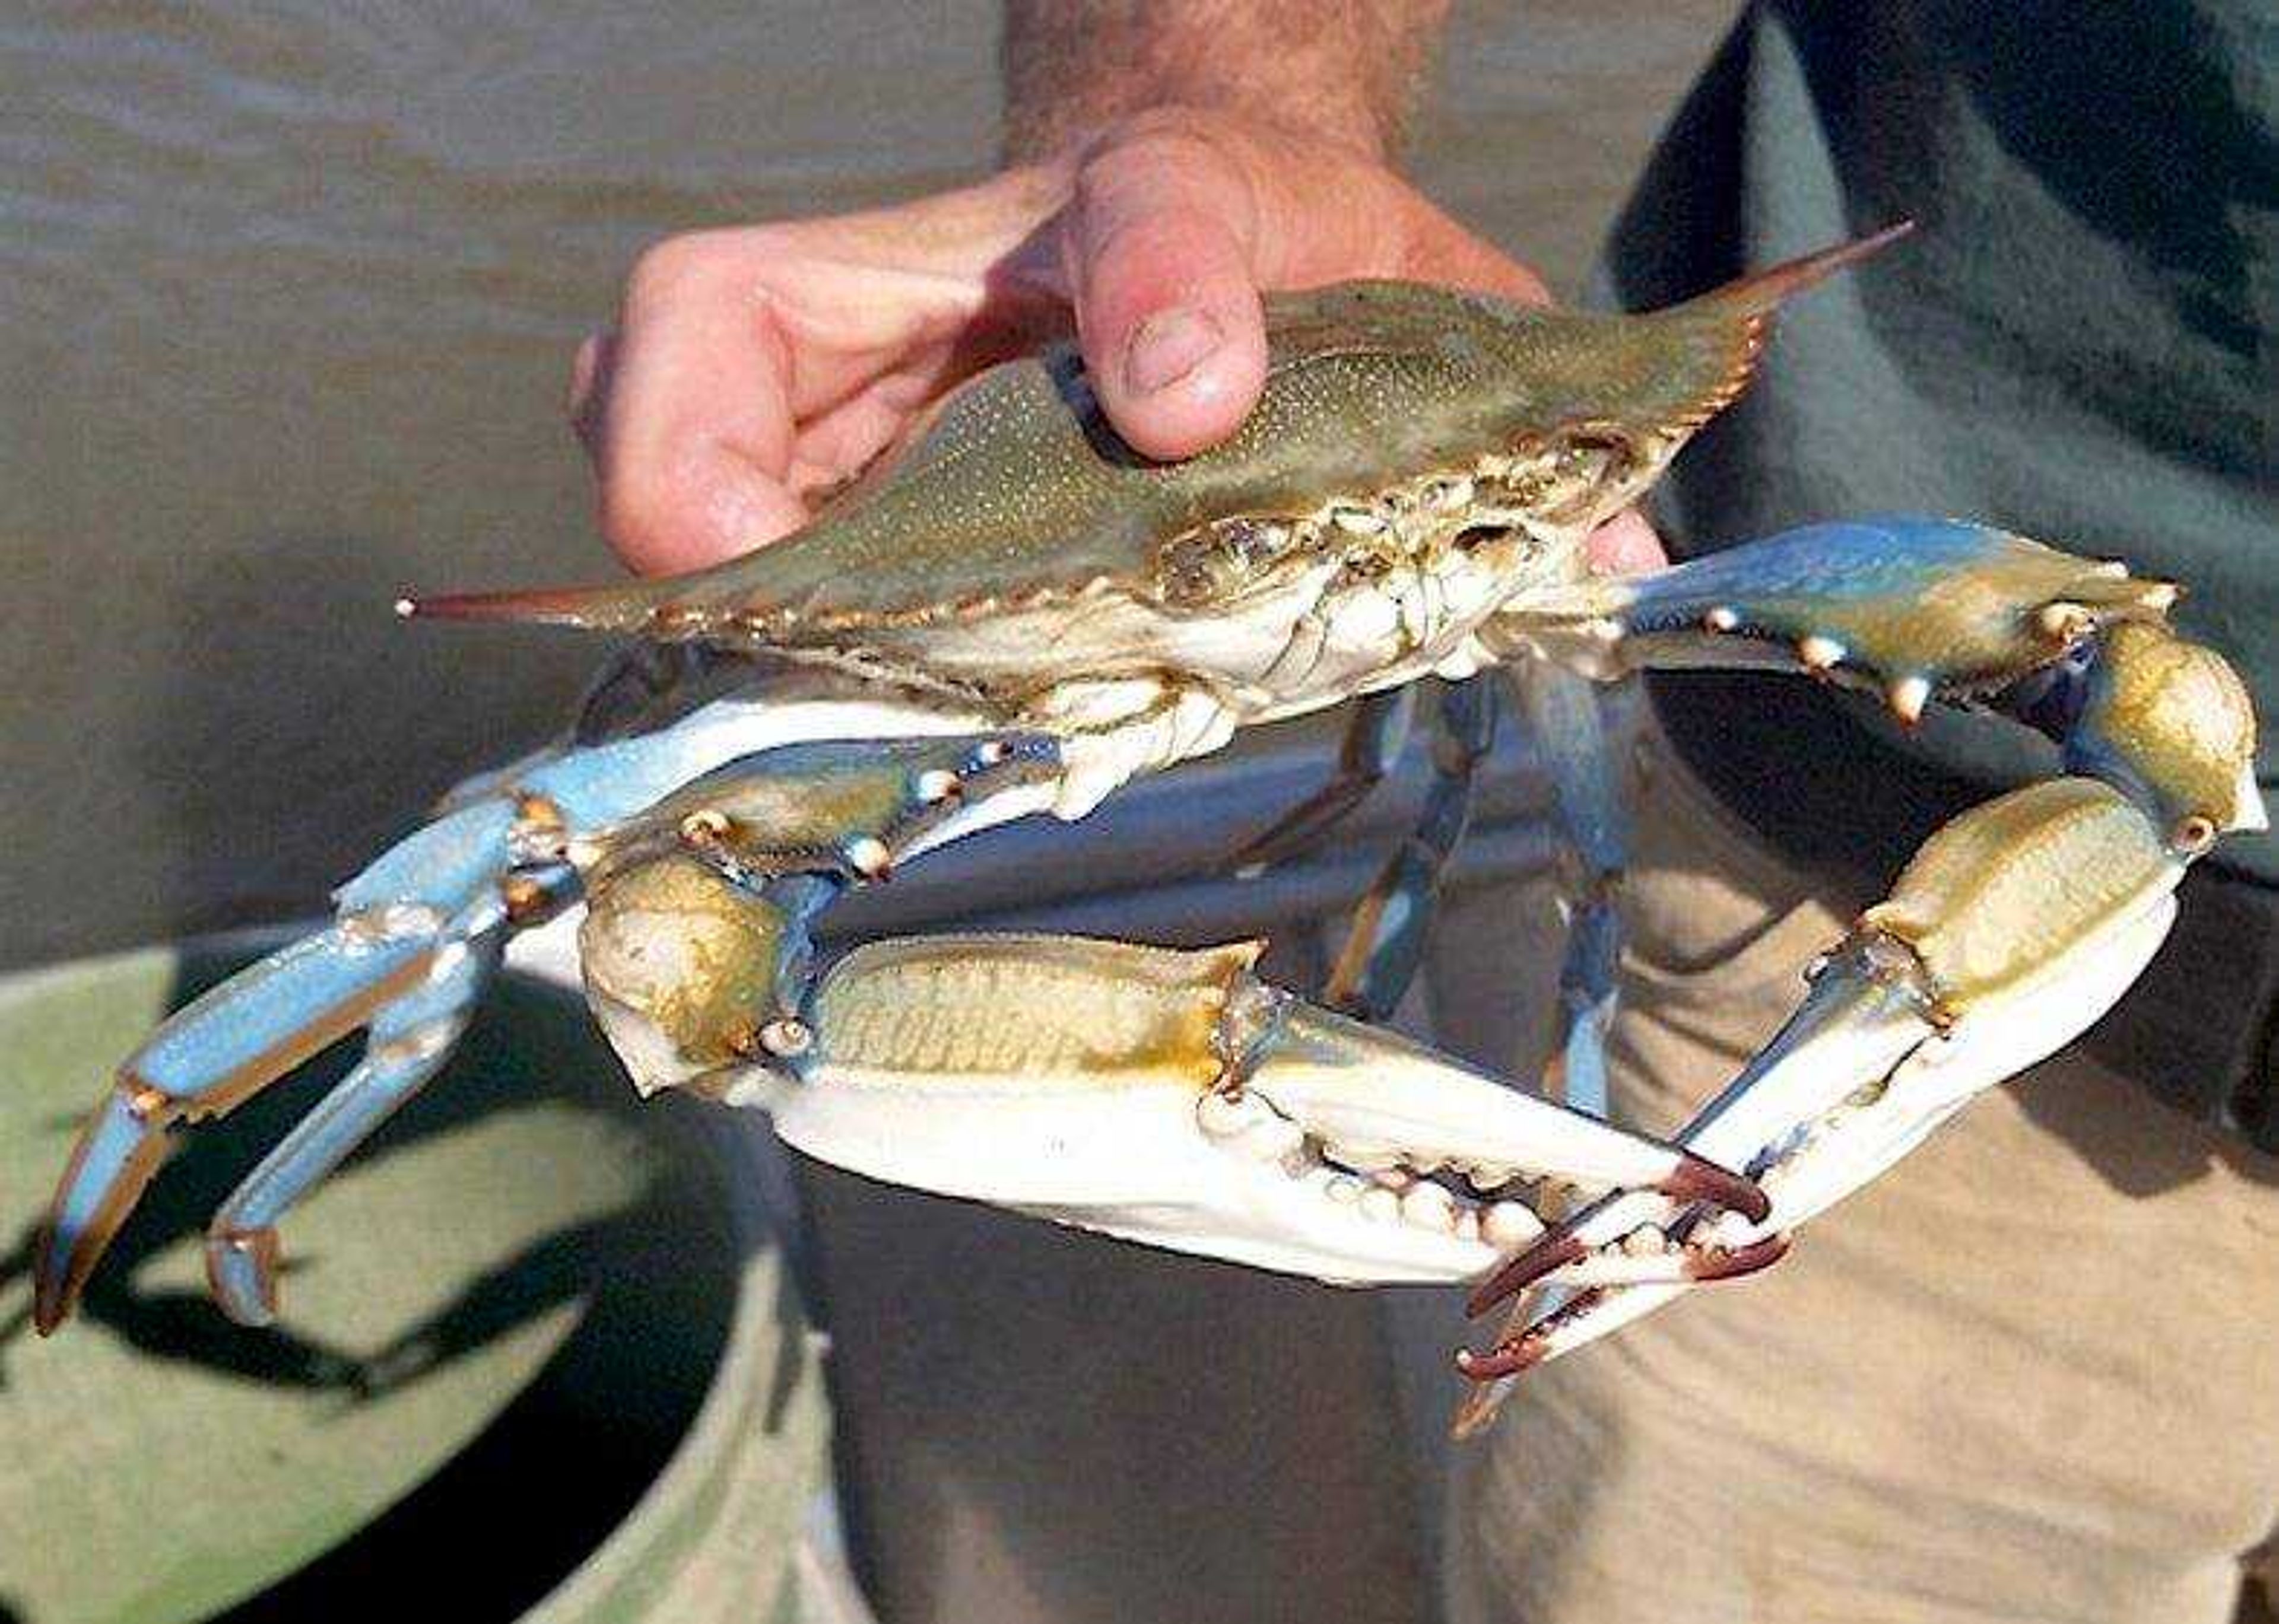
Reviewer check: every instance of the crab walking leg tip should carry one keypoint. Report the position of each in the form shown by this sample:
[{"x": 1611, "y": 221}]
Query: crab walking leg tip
[
  {"x": 119, "y": 1151},
  {"x": 241, "y": 1269}
]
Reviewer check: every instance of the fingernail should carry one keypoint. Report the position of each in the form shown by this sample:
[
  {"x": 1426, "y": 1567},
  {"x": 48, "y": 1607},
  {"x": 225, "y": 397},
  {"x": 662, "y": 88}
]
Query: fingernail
[{"x": 1167, "y": 347}]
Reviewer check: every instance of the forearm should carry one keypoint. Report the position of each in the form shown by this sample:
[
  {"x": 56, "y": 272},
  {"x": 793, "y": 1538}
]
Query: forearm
[{"x": 1336, "y": 71}]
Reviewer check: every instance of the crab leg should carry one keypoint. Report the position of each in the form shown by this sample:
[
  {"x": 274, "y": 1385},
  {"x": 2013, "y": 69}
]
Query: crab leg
[
  {"x": 417, "y": 936},
  {"x": 411, "y": 1035},
  {"x": 1914, "y": 608},
  {"x": 1374, "y": 735},
  {"x": 1393, "y": 922},
  {"x": 214, "y": 1054},
  {"x": 1909, "y": 607},
  {"x": 2011, "y": 930},
  {"x": 1568, "y": 722}
]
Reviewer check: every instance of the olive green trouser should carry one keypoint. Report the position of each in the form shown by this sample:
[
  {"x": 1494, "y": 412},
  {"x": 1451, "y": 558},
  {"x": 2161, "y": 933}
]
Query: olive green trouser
[{"x": 2031, "y": 1374}]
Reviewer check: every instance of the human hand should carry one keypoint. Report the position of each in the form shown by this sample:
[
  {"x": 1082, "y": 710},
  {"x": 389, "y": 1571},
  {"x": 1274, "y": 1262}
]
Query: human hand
[{"x": 756, "y": 366}]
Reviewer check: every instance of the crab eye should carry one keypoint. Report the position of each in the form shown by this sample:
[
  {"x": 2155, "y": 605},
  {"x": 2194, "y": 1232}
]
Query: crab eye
[
  {"x": 1206, "y": 565},
  {"x": 1589, "y": 462}
]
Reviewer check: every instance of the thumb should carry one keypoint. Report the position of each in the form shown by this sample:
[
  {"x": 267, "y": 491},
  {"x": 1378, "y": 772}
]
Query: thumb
[{"x": 1154, "y": 244}]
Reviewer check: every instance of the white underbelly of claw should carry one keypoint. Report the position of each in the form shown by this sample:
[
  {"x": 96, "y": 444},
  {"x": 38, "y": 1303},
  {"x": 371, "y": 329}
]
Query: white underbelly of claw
[
  {"x": 1937, "y": 1075},
  {"x": 1126, "y": 1161},
  {"x": 1080, "y": 1080},
  {"x": 1925, "y": 1079}
]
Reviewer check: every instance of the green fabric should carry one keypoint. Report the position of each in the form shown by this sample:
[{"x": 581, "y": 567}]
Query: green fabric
[
  {"x": 531, "y": 1289},
  {"x": 2077, "y": 344}
]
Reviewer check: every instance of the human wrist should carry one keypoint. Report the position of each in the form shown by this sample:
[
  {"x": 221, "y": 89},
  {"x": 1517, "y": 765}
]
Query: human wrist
[{"x": 1336, "y": 75}]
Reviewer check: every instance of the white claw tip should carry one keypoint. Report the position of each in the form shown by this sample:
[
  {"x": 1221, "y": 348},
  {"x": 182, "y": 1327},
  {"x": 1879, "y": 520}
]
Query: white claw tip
[
  {"x": 868, "y": 856},
  {"x": 937, "y": 785},
  {"x": 1723, "y": 618},
  {"x": 1820, "y": 654},
  {"x": 1907, "y": 698}
]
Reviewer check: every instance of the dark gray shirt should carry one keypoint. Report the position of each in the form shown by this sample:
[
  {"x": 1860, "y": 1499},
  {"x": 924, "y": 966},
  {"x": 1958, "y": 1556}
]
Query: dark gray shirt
[{"x": 2077, "y": 344}]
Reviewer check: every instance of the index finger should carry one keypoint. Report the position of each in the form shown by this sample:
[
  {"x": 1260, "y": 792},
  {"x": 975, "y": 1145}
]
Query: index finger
[{"x": 695, "y": 438}]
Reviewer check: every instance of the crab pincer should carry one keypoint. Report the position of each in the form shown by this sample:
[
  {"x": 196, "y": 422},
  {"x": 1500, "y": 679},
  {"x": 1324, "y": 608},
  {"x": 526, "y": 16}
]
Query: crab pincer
[
  {"x": 2012, "y": 929},
  {"x": 1173, "y": 1097}
]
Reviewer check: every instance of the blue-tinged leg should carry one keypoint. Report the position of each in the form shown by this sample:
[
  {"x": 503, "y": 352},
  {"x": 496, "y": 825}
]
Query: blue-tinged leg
[
  {"x": 401, "y": 924},
  {"x": 1374, "y": 734},
  {"x": 1569, "y": 718},
  {"x": 1909, "y": 607},
  {"x": 1386, "y": 942},
  {"x": 1575, "y": 724},
  {"x": 409, "y": 1038},
  {"x": 419, "y": 931}
]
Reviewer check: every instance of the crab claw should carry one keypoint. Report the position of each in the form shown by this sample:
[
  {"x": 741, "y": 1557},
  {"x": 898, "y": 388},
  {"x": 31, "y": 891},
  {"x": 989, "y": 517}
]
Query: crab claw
[
  {"x": 2014, "y": 929},
  {"x": 1171, "y": 1097}
]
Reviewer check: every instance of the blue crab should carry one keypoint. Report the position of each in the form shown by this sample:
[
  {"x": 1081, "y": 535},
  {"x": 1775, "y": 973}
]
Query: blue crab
[{"x": 1012, "y": 613}]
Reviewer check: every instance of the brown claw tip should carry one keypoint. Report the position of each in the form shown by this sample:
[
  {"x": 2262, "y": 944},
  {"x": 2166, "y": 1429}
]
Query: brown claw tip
[
  {"x": 1696, "y": 1179},
  {"x": 1529, "y": 1347},
  {"x": 1705, "y": 1266},
  {"x": 1551, "y": 1250},
  {"x": 1506, "y": 1358},
  {"x": 51, "y": 1293}
]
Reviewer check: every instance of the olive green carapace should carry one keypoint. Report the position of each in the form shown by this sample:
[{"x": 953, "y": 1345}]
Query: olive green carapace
[{"x": 1015, "y": 488}]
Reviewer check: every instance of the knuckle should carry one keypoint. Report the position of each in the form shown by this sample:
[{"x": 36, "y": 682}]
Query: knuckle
[
  {"x": 635, "y": 510},
  {"x": 679, "y": 265}
]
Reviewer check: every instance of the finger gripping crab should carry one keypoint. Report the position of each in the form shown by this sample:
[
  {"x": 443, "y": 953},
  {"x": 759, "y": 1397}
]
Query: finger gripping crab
[{"x": 1013, "y": 613}]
